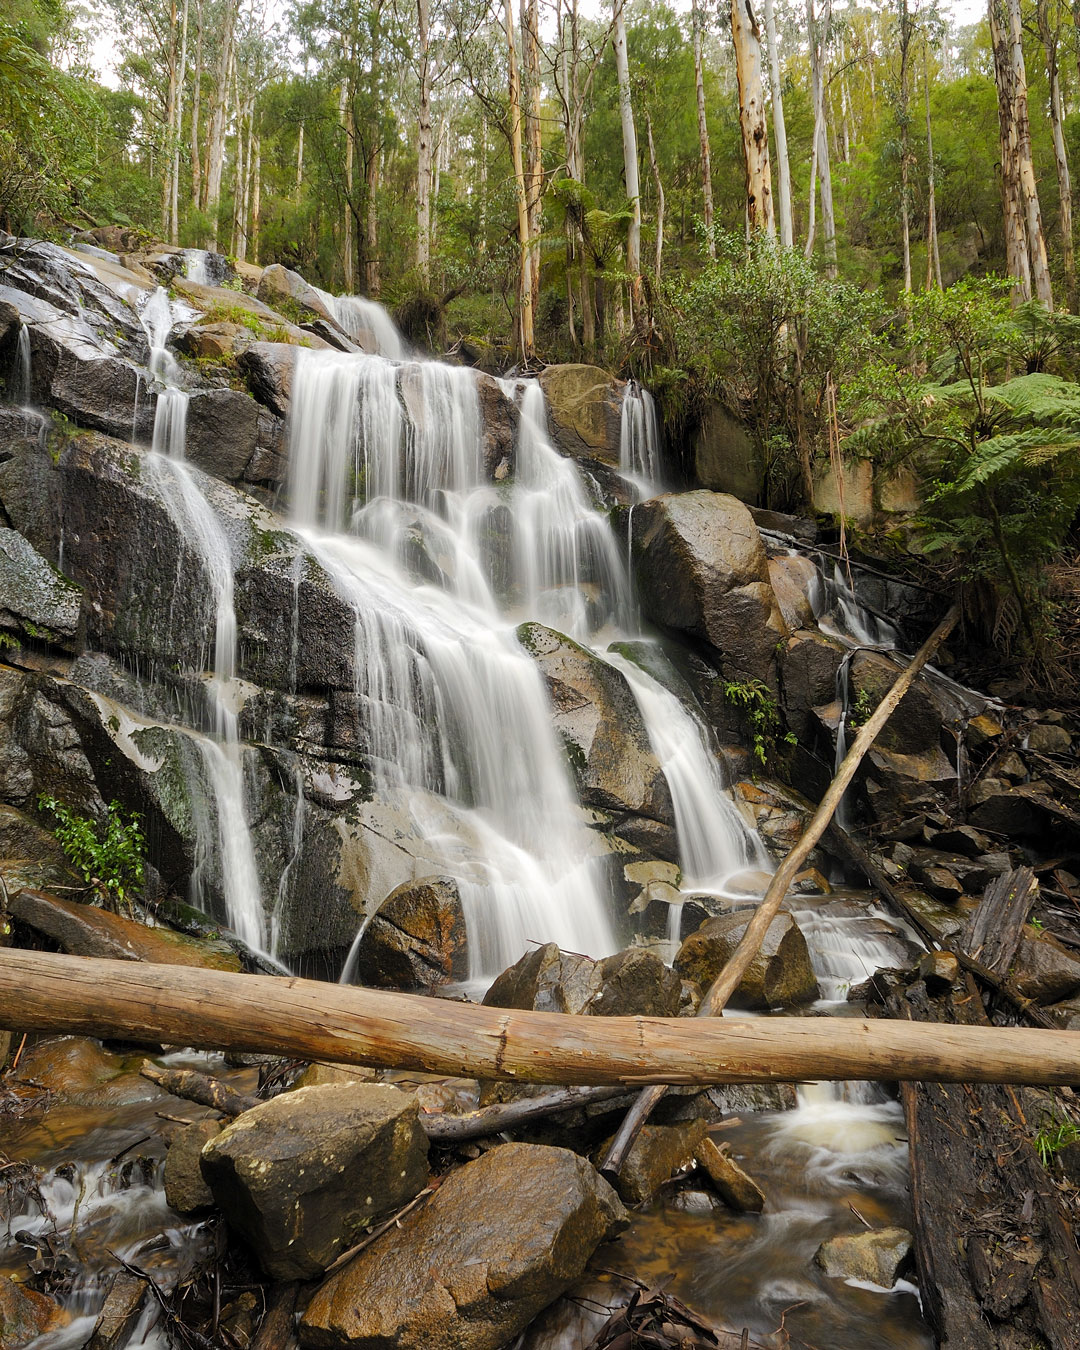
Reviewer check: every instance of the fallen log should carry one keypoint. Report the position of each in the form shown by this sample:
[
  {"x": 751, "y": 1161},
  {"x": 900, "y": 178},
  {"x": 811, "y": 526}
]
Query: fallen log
[
  {"x": 305, "y": 1019},
  {"x": 725, "y": 984},
  {"x": 201, "y": 1088}
]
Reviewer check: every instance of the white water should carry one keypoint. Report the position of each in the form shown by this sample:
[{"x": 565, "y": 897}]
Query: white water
[
  {"x": 196, "y": 267},
  {"x": 223, "y": 757},
  {"x": 639, "y": 441},
  {"x": 366, "y": 322},
  {"x": 20, "y": 390}
]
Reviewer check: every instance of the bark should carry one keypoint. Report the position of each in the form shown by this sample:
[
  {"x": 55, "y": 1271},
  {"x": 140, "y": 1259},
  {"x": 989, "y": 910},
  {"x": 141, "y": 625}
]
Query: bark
[
  {"x": 755, "y": 136},
  {"x": 196, "y": 105},
  {"x": 423, "y": 153},
  {"x": 372, "y": 167},
  {"x": 525, "y": 307},
  {"x": 216, "y": 151},
  {"x": 818, "y": 30},
  {"x": 933, "y": 253},
  {"x": 346, "y": 120},
  {"x": 630, "y": 157},
  {"x": 178, "y": 127},
  {"x": 1017, "y": 259},
  {"x": 1061, "y": 159},
  {"x": 783, "y": 166},
  {"x": 201, "y": 1088},
  {"x": 1029, "y": 192},
  {"x": 310, "y": 1020},
  {"x": 655, "y": 167},
  {"x": 170, "y": 120},
  {"x": 299, "y": 161},
  {"x": 725, "y": 984},
  {"x": 534, "y": 167},
  {"x": 256, "y": 202},
  {"x": 703, "y": 127}
]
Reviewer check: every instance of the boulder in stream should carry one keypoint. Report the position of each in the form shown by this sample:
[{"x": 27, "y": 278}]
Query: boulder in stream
[
  {"x": 632, "y": 983},
  {"x": 656, "y": 1152},
  {"x": 877, "y": 1257},
  {"x": 301, "y": 1175},
  {"x": 780, "y": 975},
  {"x": 417, "y": 938},
  {"x": 186, "y": 1190},
  {"x": 500, "y": 1239},
  {"x": 25, "y": 1315}
]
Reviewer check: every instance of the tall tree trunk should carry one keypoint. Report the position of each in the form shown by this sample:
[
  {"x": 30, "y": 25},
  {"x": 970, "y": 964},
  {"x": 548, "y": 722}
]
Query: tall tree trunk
[
  {"x": 783, "y": 167},
  {"x": 1017, "y": 259},
  {"x": 170, "y": 121},
  {"x": 818, "y": 30},
  {"x": 1029, "y": 192},
  {"x": 906, "y": 20},
  {"x": 1057, "y": 117},
  {"x": 216, "y": 157},
  {"x": 655, "y": 167},
  {"x": 372, "y": 168},
  {"x": 845, "y": 107},
  {"x": 755, "y": 135},
  {"x": 630, "y": 158},
  {"x": 178, "y": 130},
  {"x": 933, "y": 253},
  {"x": 244, "y": 186},
  {"x": 534, "y": 166},
  {"x": 300, "y": 161},
  {"x": 347, "y": 256},
  {"x": 703, "y": 129},
  {"x": 525, "y": 309},
  {"x": 423, "y": 152},
  {"x": 256, "y": 200},
  {"x": 196, "y": 105}
]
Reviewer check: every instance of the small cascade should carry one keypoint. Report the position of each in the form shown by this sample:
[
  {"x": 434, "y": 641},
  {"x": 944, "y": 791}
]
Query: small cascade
[
  {"x": 840, "y": 613},
  {"x": 20, "y": 382},
  {"x": 639, "y": 441},
  {"x": 222, "y": 757},
  {"x": 197, "y": 266},
  {"x": 366, "y": 322}
]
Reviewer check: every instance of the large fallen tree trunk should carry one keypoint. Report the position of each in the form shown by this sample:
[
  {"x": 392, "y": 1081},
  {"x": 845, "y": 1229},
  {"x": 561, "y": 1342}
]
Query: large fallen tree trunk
[{"x": 214, "y": 1010}]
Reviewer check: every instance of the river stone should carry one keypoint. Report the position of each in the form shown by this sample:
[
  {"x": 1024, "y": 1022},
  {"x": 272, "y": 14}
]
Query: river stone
[
  {"x": 118, "y": 1317},
  {"x": 809, "y": 663},
  {"x": 500, "y": 1239},
  {"x": 25, "y": 1314},
  {"x": 278, "y": 284},
  {"x": 656, "y": 1152},
  {"x": 780, "y": 975},
  {"x": 735, "y": 1187},
  {"x": 701, "y": 568},
  {"x": 600, "y": 722},
  {"x": 1047, "y": 739},
  {"x": 417, "y": 939},
  {"x": 585, "y": 410},
  {"x": 499, "y": 417},
  {"x": 635, "y": 983},
  {"x": 83, "y": 930},
  {"x": 793, "y": 578},
  {"x": 222, "y": 431},
  {"x": 877, "y": 1257},
  {"x": 632, "y": 983},
  {"x": 1044, "y": 969},
  {"x": 34, "y": 596},
  {"x": 300, "y": 1176},
  {"x": 186, "y": 1190}
]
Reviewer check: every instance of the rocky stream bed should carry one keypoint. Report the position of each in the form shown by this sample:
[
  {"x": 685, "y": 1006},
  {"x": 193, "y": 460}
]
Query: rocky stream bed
[{"x": 426, "y": 680}]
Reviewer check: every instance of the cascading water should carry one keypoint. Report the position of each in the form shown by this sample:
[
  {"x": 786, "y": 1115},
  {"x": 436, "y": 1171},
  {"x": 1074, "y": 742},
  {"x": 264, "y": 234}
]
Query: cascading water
[
  {"x": 223, "y": 755},
  {"x": 639, "y": 441},
  {"x": 366, "y": 322}
]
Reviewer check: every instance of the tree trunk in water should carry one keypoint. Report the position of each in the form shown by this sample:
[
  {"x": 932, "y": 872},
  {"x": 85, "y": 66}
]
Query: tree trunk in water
[
  {"x": 755, "y": 136},
  {"x": 1061, "y": 159},
  {"x": 783, "y": 167},
  {"x": 1029, "y": 192},
  {"x": 308, "y": 1019},
  {"x": 1016, "y": 249},
  {"x": 703, "y": 129},
  {"x": 933, "y": 254},
  {"x": 655, "y": 167},
  {"x": 525, "y": 309},
  {"x": 216, "y": 158},
  {"x": 423, "y": 153},
  {"x": 196, "y": 106},
  {"x": 630, "y": 158},
  {"x": 534, "y": 165}
]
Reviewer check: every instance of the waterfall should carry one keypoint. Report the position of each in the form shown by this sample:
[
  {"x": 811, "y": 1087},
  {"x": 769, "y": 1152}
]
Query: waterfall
[
  {"x": 639, "y": 441},
  {"x": 223, "y": 758},
  {"x": 366, "y": 322},
  {"x": 20, "y": 376}
]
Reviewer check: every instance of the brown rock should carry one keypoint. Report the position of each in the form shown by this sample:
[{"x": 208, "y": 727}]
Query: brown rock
[
  {"x": 877, "y": 1257},
  {"x": 186, "y": 1190},
  {"x": 738, "y": 1190},
  {"x": 124, "y": 1302},
  {"x": 656, "y": 1153},
  {"x": 1044, "y": 969},
  {"x": 25, "y": 1315},
  {"x": 780, "y": 974},
  {"x": 417, "y": 939}
]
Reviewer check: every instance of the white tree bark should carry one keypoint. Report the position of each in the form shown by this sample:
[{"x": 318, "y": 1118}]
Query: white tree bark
[
  {"x": 783, "y": 166},
  {"x": 1050, "y": 38},
  {"x": 703, "y": 128},
  {"x": 818, "y": 33},
  {"x": 178, "y": 129},
  {"x": 755, "y": 135},
  {"x": 423, "y": 153},
  {"x": 217, "y": 125},
  {"x": 1029, "y": 192},
  {"x": 526, "y": 340},
  {"x": 630, "y": 157},
  {"x": 655, "y": 167}
]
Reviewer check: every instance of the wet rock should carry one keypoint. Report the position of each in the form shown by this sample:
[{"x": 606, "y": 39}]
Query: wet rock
[
  {"x": 963, "y": 839},
  {"x": 725, "y": 458},
  {"x": 214, "y": 341},
  {"x": 118, "y": 1318},
  {"x": 780, "y": 814},
  {"x": 81, "y": 1072},
  {"x": 499, "y": 419},
  {"x": 635, "y": 983},
  {"x": 500, "y": 1239},
  {"x": 780, "y": 974},
  {"x": 83, "y": 930},
  {"x": 735, "y": 1187},
  {"x": 809, "y": 663},
  {"x": 222, "y": 431},
  {"x": 35, "y": 599},
  {"x": 632, "y": 983},
  {"x": 601, "y": 725},
  {"x": 1012, "y": 767},
  {"x": 279, "y": 284},
  {"x": 1026, "y": 811},
  {"x": 655, "y": 837},
  {"x": 983, "y": 729},
  {"x": 657, "y": 1152},
  {"x": 269, "y": 367},
  {"x": 25, "y": 1315},
  {"x": 318, "y": 1075},
  {"x": 186, "y": 1190},
  {"x": 585, "y": 409},
  {"x": 300, "y": 1176},
  {"x": 877, "y": 1257},
  {"x": 939, "y": 970},
  {"x": 701, "y": 568},
  {"x": 1049, "y": 739},
  {"x": 945, "y": 875},
  {"x": 793, "y": 579},
  {"x": 417, "y": 938},
  {"x": 1044, "y": 969}
]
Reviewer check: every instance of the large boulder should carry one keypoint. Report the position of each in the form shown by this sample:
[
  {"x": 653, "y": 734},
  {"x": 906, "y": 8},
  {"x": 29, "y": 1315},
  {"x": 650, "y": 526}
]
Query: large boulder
[
  {"x": 499, "y": 418},
  {"x": 656, "y": 1152},
  {"x": 1044, "y": 969},
  {"x": 725, "y": 458},
  {"x": 186, "y": 1190},
  {"x": 288, "y": 293},
  {"x": 26, "y": 1315},
  {"x": 585, "y": 409},
  {"x": 222, "y": 431},
  {"x": 877, "y": 1256},
  {"x": 780, "y": 975},
  {"x": 35, "y": 599},
  {"x": 417, "y": 938},
  {"x": 702, "y": 569},
  {"x": 300, "y": 1176},
  {"x": 500, "y": 1239},
  {"x": 598, "y": 718},
  {"x": 632, "y": 983},
  {"x": 269, "y": 368}
]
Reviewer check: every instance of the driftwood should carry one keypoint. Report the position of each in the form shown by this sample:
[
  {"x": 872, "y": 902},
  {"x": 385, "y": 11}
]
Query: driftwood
[
  {"x": 994, "y": 931},
  {"x": 201, "y": 1088},
  {"x": 997, "y": 1258},
  {"x": 728, "y": 980},
  {"x": 306, "y": 1019}
]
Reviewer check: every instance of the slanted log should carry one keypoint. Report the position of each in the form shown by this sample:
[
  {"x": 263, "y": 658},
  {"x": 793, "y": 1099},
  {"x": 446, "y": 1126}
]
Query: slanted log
[{"x": 304, "y": 1019}]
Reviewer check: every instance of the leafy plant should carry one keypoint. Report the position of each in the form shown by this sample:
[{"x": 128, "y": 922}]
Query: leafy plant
[
  {"x": 760, "y": 713},
  {"x": 1052, "y": 1137},
  {"x": 862, "y": 708},
  {"x": 109, "y": 854}
]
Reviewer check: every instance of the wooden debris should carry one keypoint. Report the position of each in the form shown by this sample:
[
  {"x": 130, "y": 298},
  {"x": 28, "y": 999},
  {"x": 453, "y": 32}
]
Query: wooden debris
[{"x": 735, "y": 1187}]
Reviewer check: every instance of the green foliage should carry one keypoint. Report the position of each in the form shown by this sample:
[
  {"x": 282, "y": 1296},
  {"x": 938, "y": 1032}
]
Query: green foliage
[
  {"x": 108, "y": 854},
  {"x": 758, "y": 709},
  {"x": 862, "y": 708},
  {"x": 1053, "y": 1135}
]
